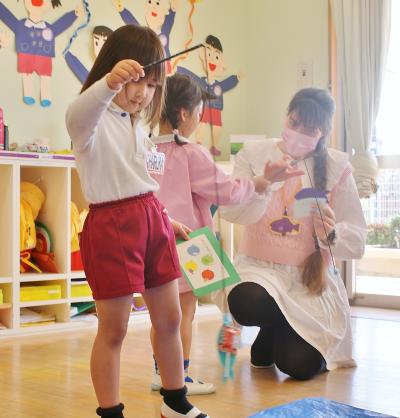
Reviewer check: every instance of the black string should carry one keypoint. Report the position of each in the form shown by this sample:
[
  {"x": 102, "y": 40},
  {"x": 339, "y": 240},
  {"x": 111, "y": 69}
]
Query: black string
[{"x": 322, "y": 217}]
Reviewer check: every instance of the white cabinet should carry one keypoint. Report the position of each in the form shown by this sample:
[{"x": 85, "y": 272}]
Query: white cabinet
[{"x": 59, "y": 181}]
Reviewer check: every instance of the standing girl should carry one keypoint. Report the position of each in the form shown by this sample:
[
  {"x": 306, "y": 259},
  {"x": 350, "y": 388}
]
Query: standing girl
[
  {"x": 191, "y": 183},
  {"x": 127, "y": 242}
]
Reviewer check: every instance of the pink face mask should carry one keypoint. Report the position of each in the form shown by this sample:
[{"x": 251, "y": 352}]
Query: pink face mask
[{"x": 298, "y": 145}]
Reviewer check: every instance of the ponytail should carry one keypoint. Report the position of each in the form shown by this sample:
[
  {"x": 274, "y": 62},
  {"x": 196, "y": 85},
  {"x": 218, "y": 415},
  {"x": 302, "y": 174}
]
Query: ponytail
[
  {"x": 313, "y": 275},
  {"x": 314, "y": 108},
  {"x": 182, "y": 92}
]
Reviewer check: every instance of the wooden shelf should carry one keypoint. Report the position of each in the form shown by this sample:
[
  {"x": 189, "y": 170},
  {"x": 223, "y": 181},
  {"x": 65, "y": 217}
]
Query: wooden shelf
[
  {"x": 81, "y": 299},
  {"x": 78, "y": 275},
  {"x": 43, "y": 303},
  {"x": 59, "y": 181},
  {"x": 41, "y": 277},
  {"x": 76, "y": 283}
]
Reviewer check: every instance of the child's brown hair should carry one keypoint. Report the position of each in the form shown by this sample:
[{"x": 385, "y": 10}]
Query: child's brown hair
[{"x": 138, "y": 43}]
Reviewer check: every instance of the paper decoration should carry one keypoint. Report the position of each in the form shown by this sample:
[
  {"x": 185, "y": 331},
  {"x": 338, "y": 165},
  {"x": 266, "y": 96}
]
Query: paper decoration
[
  {"x": 305, "y": 199},
  {"x": 191, "y": 32},
  {"x": 214, "y": 67},
  {"x": 100, "y": 35},
  {"x": 204, "y": 264},
  {"x": 79, "y": 28},
  {"x": 35, "y": 45},
  {"x": 159, "y": 15}
]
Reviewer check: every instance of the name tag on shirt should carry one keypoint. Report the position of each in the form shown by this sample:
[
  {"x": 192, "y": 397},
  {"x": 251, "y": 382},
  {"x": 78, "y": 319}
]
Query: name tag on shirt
[{"x": 155, "y": 161}]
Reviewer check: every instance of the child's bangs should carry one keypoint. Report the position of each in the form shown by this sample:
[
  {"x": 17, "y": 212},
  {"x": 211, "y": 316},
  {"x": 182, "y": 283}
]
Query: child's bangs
[
  {"x": 150, "y": 50},
  {"x": 156, "y": 73}
]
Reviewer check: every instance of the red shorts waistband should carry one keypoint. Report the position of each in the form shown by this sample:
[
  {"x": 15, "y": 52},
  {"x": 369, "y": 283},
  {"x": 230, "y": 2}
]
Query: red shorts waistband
[{"x": 127, "y": 200}]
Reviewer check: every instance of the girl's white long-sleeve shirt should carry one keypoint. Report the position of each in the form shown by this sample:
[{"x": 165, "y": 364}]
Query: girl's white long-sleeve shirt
[{"x": 110, "y": 151}]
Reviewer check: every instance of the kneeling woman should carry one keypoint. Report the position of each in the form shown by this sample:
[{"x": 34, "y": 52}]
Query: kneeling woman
[{"x": 289, "y": 287}]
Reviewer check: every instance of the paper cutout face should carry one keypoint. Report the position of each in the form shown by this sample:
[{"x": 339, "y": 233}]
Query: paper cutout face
[
  {"x": 155, "y": 12},
  {"x": 37, "y": 7},
  {"x": 98, "y": 42},
  {"x": 100, "y": 35},
  {"x": 215, "y": 61}
]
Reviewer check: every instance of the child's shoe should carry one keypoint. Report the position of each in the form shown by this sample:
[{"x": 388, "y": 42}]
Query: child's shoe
[
  {"x": 261, "y": 365},
  {"x": 194, "y": 387},
  {"x": 167, "y": 412}
]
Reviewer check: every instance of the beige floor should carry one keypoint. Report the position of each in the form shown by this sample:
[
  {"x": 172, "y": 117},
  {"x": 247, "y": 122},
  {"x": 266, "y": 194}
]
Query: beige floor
[{"x": 48, "y": 376}]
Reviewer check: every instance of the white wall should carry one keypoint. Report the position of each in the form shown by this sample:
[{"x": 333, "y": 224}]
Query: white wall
[
  {"x": 264, "y": 39},
  {"x": 288, "y": 32}
]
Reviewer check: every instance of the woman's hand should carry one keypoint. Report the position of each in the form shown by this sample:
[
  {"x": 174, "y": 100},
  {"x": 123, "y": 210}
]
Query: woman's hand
[
  {"x": 180, "y": 230},
  {"x": 329, "y": 221},
  {"x": 281, "y": 170},
  {"x": 124, "y": 72}
]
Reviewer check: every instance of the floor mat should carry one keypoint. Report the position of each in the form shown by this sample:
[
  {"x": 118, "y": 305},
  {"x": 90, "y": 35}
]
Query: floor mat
[{"x": 317, "y": 408}]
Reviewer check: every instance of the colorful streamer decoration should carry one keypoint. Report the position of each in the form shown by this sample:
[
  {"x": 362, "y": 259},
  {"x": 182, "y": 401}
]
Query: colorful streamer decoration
[
  {"x": 84, "y": 25},
  {"x": 189, "y": 41}
]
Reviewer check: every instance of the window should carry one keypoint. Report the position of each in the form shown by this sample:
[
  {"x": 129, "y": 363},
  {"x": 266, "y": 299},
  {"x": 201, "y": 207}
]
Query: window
[{"x": 379, "y": 271}]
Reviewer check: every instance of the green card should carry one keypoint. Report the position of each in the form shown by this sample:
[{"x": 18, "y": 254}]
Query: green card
[{"x": 204, "y": 264}]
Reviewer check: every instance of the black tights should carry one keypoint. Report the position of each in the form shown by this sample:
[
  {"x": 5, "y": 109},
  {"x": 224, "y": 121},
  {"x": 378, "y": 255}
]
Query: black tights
[{"x": 277, "y": 342}]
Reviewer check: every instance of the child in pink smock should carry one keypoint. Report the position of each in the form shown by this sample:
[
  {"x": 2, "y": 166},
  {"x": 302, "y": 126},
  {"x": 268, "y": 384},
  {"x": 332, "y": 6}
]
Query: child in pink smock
[{"x": 191, "y": 183}]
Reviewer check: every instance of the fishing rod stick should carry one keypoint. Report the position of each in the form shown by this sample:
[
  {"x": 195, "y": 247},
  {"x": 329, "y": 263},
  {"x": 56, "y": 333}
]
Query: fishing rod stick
[{"x": 185, "y": 51}]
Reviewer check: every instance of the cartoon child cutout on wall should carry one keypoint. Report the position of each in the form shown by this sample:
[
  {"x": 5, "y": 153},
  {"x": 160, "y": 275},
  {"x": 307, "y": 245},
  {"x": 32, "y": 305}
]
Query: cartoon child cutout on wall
[
  {"x": 159, "y": 15},
  {"x": 35, "y": 44},
  {"x": 213, "y": 65},
  {"x": 100, "y": 35}
]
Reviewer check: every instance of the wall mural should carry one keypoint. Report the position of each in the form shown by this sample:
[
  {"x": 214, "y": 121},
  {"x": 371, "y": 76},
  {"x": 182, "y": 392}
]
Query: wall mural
[
  {"x": 99, "y": 37},
  {"x": 35, "y": 47},
  {"x": 35, "y": 44},
  {"x": 214, "y": 68},
  {"x": 159, "y": 15}
]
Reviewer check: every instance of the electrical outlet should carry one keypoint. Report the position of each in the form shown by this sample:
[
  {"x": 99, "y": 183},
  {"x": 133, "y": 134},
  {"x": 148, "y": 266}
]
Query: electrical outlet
[{"x": 305, "y": 74}]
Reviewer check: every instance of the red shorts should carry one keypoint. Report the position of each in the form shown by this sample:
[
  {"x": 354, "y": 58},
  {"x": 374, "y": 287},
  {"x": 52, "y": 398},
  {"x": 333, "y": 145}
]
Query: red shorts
[
  {"x": 212, "y": 116},
  {"x": 28, "y": 63},
  {"x": 128, "y": 246}
]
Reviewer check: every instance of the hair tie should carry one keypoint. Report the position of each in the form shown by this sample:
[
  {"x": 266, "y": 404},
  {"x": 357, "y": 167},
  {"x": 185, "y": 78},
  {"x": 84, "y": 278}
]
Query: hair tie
[{"x": 175, "y": 132}]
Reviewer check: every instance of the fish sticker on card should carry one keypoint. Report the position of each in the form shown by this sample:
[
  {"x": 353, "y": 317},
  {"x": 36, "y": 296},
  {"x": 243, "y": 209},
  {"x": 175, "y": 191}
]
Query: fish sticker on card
[{"x": 305, "y": 199}]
